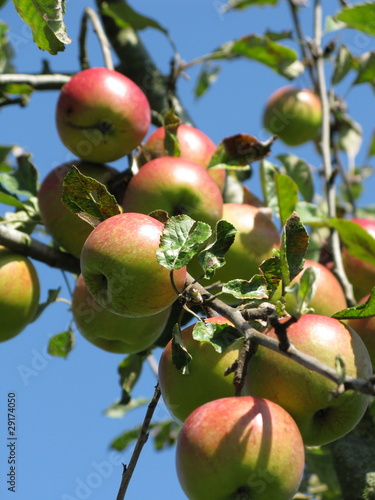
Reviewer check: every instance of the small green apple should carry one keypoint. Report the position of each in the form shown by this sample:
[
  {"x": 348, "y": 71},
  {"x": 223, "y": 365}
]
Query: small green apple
[
  {"x": 305, "y": 394},
  {"x": 120, "y": 269},
  {"x": 240, "y": 447},
  {"x": 102, "y": 115},
  {"x": 111, "y": 332},
  {"x": 293, "y": 114},
  {"x": 19, "y": 293},
  {"x": 182, "y": 393}
]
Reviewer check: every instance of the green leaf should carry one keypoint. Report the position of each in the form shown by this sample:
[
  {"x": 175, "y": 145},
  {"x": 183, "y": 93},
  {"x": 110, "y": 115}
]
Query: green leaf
[
  {"x": 239, "y": 150},
  {"x": 8, "y": 199},
  {"x": 23, "y": 180},
  {"x": 310, "y": 213},
  {"x": 364, "y": 310},
  {"x": 51, "y": 298},
  {"x": 5, "y": 151},
  {"x": 182, "y": 236},
  {"x": 171, "y": 124},
  {"x": 300, "y": 172},
  {"x": 366, "y": 68},
  {"x": 268, "y": 173},
  {"x": 126, "y": 17},
  {"x": 255, "y": 289},
  {"x": 126, "y": 438},
  {"x": 129, "y": 370},
  {"x": 180, "y": 356},
  {"x": 213, "y": 257},
  {"x": 287, "y": 195},
  {"x": 242, "y": 4},
  {"x": 359, "y": 17},
  {"x": 371, "y": 149},
  {"x": 271, "y": 269},
  {"x": 88, "y": 198},
  {"x": 207, "y": 76},
  {"x": 6, "y": 51},
  {"x": 165, "y": 434},
  {"x": 343, "y": 64},
  {"x": 358, "y": 241},
  {"x": 119, "y": 409},
  {"x": 295, "y": 241},
  {"x": 304, "y": 291},
  {"x": 45, "y": 18},
  {"x": 283, "y": 60},
  {"x": 219, "y": 336},
  {"x": 61, "y": 344},
  {"x": 350, "y": 135}
]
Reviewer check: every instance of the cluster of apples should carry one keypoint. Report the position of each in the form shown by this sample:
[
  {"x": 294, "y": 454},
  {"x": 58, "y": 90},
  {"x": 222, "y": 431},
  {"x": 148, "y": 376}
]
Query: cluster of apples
[{"x": 250, "y": 446}]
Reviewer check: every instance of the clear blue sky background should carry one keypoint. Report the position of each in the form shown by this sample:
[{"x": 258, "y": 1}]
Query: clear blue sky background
[{"x": 63, "y": 435}]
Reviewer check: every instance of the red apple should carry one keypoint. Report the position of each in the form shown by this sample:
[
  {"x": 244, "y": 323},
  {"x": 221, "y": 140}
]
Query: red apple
[
  {"x": 294, "y": 115},
  {"x": 303, "y": 393},
  {"x": 111, "y": 332},
  {"x": 194, "y": 146},
  {"x": 361, "y": 274},
  {"x": 183, "y": 393},
  {"x": 120, "y": 269},
  {"x": 69, "y": 230},
  {"x": 177, "y": 186},
  {"x": 365, "y": 327},
  {"x": 240, "y": 447},
  {"x": 19, "y": 293},
  {"x": 329, "y": 296},
  {"x": 102, "y": 115}
]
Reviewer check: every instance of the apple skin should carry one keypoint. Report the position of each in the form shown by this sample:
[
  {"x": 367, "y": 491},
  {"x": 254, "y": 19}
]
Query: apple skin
[
  {"x": 194, "y": 146},
  {"x": 111, "y": 332},
  {"x": 294, "y": 115},
  {"x": 102, "y": 115},
  {"x": 305, "y": 394},
  {"x": 240, "y": 445},
  {"x": 177, "y": 186},
  {"x": 365, "y": 327},
  {"x": 19, "y": 293},
  {"x": 69, "y": 230},
  {"x": 183, "y": 393},
  {"x": 329, "y": 296},
  {"x": 120, "y": 269},
  {"x": 361, "y": 274}
]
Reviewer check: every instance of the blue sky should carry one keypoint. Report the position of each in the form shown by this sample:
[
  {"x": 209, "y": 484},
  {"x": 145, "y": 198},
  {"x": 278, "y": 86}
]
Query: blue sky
[{"x": 63, "y": 435}]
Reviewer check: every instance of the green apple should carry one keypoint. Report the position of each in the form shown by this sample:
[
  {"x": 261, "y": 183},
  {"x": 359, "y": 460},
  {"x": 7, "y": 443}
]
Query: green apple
[
  {"x": 66, "y": 228},
  {"x": 361, "y": 274},
  {"x": 194, "y": 146},
  {"x": 206, "y": 381},
  {"x": 102, "y": 115},
  {"x": 177, "y": 186},
  {"x": 256, "y": 238},
  {"x": 329, "y": 296},
  {"x": 305, "y": 394},
  {"x": 240, "y": 448},
  {"x": 365, "y": 327},
  {"x": 19, "y": 293},
  {"x": 294, "y": 115},
  {"x": 111, "y": 332},
  {"x": 120, "y": 269}
]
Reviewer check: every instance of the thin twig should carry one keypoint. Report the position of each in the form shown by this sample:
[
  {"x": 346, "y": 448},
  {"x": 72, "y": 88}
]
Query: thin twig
[
  {"x": 37, "y": 82},
  {"x": 142, "y": 438},
  {"x": 89, "y": 13}
]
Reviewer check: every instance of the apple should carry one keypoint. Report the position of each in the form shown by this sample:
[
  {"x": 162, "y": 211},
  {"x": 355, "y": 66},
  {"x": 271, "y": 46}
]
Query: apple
[
  {"x": 365, "y": 327},
  {"x": 305, "y": 394},
  {"x": 240, "y": 448},
  {"x": 194, "y": 146},
  {"x": 65, "y": 227},
  {"x": 102, "y": 115},
  {"x": 294, "y": 115},
  {"x": 111, "y": 332},
  {"x": 182, "y": 393},
  {"x": 120, "y": 269},
  {"x": 256, "y": 238},
  {"x": 19, "y": 293},
  {"x": 177, "y": 186},
  {"x": 361, "y": 274},
  {"x": 329, "y": 296}
]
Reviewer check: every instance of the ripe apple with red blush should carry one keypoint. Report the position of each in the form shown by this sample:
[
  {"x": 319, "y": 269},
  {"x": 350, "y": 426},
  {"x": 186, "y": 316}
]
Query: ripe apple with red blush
[
  {"x": 102, "y": 115},
  {"x": 240, "y": 447},
  {"x": 305, "y": 394},
  {"x": 69, "y": 230},
  {"x": 120, "y": 268}
]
